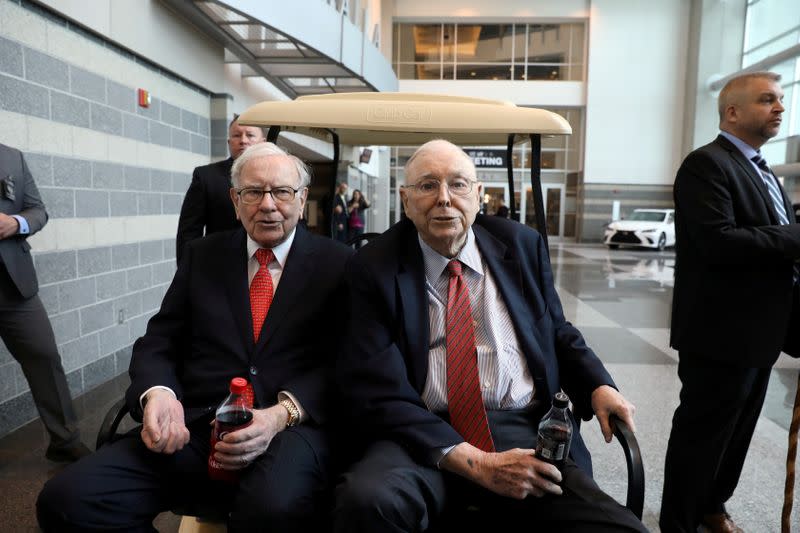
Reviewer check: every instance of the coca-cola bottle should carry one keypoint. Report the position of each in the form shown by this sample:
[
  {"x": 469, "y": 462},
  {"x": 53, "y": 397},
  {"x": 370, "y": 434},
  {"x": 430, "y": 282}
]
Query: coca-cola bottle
[
  {"x": 232, "y": 414},
  {"x": 555, "y": 432}
]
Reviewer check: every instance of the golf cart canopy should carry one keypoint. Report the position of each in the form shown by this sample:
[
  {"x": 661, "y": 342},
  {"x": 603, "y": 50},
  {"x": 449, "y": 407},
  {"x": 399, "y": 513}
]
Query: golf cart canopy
[{"x": 411, "y": 119}]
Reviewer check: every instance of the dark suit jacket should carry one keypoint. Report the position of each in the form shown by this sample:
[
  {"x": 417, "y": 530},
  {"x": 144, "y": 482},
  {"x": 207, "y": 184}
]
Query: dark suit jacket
[
  {"x": 385, "y": 361},
  {"x": 202, "y": 335},
  {"x": 207, "y": 205},
  {"x": 15, "y": 252},
  {"x": 733, "y": 294}
]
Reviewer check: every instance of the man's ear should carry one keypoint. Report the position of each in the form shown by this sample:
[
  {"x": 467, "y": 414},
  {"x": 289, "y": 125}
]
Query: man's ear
[{"x": 235, "y": 200}]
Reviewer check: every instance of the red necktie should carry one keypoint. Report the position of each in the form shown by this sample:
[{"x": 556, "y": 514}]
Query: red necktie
[
  {"x": 260, "y": 299},
  {"x": 464, "y": 399},
  {"x": 261, "y": 291}
]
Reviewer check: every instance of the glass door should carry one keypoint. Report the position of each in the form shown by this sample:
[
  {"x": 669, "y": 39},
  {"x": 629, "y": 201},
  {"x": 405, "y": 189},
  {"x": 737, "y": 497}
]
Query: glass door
[{"x": 553, "y": 209}]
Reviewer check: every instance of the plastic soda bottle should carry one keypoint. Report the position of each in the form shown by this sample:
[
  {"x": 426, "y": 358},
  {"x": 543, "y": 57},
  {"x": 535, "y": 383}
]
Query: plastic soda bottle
[
  {"x": 232, "y": 414},
  {"x": 555, "y": 432}
]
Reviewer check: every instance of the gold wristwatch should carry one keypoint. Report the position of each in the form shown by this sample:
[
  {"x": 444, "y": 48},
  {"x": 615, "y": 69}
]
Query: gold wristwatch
[{"x": 294, "y": 412}]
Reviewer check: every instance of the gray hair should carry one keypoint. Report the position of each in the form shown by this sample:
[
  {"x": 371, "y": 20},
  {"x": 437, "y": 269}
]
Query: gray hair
[
  {"x": 267, "y": 149},
  {"x": 731, "y": 92},
  {"x": 433, "y": 144}
]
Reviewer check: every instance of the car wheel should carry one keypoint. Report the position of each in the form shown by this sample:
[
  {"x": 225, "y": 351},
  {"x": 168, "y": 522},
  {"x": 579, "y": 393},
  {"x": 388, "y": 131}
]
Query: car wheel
[
  {"x": 662, "y": 242},
  {"x": 613, "y": 246}
]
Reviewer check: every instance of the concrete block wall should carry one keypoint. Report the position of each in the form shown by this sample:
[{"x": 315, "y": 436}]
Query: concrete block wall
[{"x": 112, "y": 176}]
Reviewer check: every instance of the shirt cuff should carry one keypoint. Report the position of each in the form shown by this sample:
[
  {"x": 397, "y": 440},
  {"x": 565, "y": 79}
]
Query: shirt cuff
[
  {"x": 141, "y": 398},
  {"x": 24, "y": 229},
  {"x": 439, "y": 454},
  {"x": 286, "y": 395}
]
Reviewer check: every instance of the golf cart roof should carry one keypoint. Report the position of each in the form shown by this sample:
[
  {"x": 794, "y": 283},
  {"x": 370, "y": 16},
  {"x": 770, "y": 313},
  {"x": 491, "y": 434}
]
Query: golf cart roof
[{"x": 391, "y": 119}]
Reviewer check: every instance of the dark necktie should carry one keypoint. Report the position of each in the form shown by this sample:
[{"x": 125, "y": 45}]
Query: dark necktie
[
  {"x": 772, "y": 187},
  {"x": 777, "y": 197},
  {"x": 464, "y": 398}
]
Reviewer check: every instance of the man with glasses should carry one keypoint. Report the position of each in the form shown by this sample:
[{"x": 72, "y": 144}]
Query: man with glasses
[
  {"x": 456, "y": 346},
  {"x": 206, "y": 208},
  {"x": 257, "y": 302}
]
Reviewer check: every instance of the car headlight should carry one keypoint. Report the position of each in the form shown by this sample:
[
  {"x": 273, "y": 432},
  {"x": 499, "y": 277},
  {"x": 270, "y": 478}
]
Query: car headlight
[{"x": 649, "y": 230}]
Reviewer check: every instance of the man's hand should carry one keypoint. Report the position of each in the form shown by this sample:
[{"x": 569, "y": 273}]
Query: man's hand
[
  {"x": 164, "y": 430},
  {"x": 239, "y": 448},
  {"x": 607, "y": 400},
  {"x": 514, "y": 473},
  {"x": 8, "y": 226}
]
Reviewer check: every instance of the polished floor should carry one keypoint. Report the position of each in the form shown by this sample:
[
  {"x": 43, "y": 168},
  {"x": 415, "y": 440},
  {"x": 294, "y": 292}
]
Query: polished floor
[{"x": 621, "y": 302}]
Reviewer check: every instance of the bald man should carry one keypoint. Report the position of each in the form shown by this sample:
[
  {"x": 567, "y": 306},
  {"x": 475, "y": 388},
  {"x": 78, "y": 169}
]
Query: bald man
[
  {"x": 735, "y": 292},
  {"x": 418, "y": 452}
]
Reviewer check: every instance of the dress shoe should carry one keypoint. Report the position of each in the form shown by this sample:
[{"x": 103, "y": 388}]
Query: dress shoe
[
  {"x": 720, "y": 523},
  {"x": 67, "y": 454}
]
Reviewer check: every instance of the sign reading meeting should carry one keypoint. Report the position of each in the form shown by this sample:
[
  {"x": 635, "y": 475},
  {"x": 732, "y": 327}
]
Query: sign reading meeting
[{"x": 488, "y": 158}]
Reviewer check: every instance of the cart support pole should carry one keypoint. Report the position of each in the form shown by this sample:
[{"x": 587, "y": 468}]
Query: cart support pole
[
  {"x": 510, "y": 167},
  {"x": 536, "y": 186}
]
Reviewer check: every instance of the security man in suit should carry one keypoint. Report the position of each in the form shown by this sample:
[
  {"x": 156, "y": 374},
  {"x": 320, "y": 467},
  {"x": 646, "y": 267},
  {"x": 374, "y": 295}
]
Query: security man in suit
[
  {"x": 734, "y": 297},
  {"x": 256, "y": 302},
  {"x": 447, "y": 410},
  {"x": 207, "y": 207},
  {"x": 24, "y": 326}
]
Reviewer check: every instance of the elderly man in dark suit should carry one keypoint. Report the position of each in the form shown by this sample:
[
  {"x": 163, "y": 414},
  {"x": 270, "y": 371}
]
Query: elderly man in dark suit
[
  {"x": 408, "y": 365},
  {"x": 735, "y": 292},
  {"x": 24, "y": 326},
  {"x": 208, "y": 331},
  {"x": 206, "y": 207}
]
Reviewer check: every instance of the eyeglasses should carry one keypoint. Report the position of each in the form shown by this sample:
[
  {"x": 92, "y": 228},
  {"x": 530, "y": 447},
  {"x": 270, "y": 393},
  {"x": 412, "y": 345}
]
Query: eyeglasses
[
  {"x": 254, "y": 195},
  {"x": 430, "y": 186}
]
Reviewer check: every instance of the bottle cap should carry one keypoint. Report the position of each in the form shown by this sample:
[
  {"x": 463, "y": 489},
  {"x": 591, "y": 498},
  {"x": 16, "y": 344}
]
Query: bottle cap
[
  {"x": 560, "y": 400},
  {"x": 238, "y": 385}
]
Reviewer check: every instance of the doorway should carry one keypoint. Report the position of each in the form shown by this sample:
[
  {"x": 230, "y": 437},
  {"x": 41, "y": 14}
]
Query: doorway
[{"x": 553, "y": 209}]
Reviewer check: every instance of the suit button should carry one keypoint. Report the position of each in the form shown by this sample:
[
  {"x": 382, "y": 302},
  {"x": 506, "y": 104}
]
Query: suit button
[{"x": 253, "y": 370}]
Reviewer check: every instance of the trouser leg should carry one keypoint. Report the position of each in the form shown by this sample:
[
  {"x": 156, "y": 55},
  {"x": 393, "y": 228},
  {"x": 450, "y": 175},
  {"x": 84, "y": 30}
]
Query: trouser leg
[
  {"x": 28, "y": 335},
  {"x": 711, "y": 430},
  {"x": 123, "y": 486}
]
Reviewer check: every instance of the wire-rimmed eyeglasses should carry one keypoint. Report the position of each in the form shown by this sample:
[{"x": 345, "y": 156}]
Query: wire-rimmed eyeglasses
[
  {"x": 431, "y": 186},
  {"x": 254, "y": 195}
]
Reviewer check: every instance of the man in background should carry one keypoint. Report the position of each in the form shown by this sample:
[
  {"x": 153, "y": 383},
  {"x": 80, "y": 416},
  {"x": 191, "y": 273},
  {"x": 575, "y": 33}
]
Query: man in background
[
  {"x": 207, "y": 206},
  {"x": 735, "y": 293},
  {"x": 24, "y": 325},
  {"x": 340, "y": 213}
]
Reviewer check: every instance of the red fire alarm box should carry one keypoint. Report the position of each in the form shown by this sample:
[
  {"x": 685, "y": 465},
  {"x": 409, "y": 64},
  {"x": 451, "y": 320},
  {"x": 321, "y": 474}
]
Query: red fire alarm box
[{"x": 144, "y": 98}]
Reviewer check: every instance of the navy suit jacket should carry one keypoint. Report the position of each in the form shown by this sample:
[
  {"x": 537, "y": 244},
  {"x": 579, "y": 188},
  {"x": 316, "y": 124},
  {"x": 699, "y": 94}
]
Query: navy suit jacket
[
  {"x": 384, "y": 363},
  {"x": 15, "y": 252},
  {"x": 733, "y": 300},
  {"x": 207, "y": 205},
  {"x": 202, "y": 335}
]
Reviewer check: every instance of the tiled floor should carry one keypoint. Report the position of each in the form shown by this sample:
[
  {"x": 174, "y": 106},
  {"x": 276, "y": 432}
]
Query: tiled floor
[{"x": 621, "y": 302}]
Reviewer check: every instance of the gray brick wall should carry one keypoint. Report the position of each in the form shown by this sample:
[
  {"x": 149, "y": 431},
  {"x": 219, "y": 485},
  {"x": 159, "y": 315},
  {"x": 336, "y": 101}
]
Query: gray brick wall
[
  {"x": 99, "y": 301},
  {"x": 37, "y": 84}
]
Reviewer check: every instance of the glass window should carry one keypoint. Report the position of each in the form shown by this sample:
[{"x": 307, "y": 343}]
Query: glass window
[
  {"x": 501, "y": 51},
  {"x": 767, "y": 19}
]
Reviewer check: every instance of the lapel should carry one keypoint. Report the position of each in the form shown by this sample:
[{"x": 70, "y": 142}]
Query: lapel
[
  {"x": 413, "y": 296},
  {"x": 755, "y": 177},
  {"x": 296, "y": 275},
  {"x": 507, "y": 272},
  {"x": 237, "y": 289}
]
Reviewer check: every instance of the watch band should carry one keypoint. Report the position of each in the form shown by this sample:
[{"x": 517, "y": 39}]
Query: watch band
[{"x": 294, "y": 412}]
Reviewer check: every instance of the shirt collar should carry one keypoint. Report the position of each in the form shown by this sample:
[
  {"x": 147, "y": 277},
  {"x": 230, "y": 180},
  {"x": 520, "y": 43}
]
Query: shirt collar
[
  {"x": 435, "y": 263},
  {"x": 748, "y": 151},
  {"x": 281, "y": 252}
]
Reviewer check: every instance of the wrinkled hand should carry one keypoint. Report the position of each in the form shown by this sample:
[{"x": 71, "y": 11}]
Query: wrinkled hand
[
  {"x": 8, "y": 226},
  {"x": 239, "y": 448},
  {"x": 163, "y": 430},
  {"x": 514, "y": 473},
  {"x": 606, "y": 401}
]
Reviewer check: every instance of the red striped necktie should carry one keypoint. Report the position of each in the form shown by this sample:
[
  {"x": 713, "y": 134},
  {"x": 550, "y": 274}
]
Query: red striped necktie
[{"x": 464, "y": 399}]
